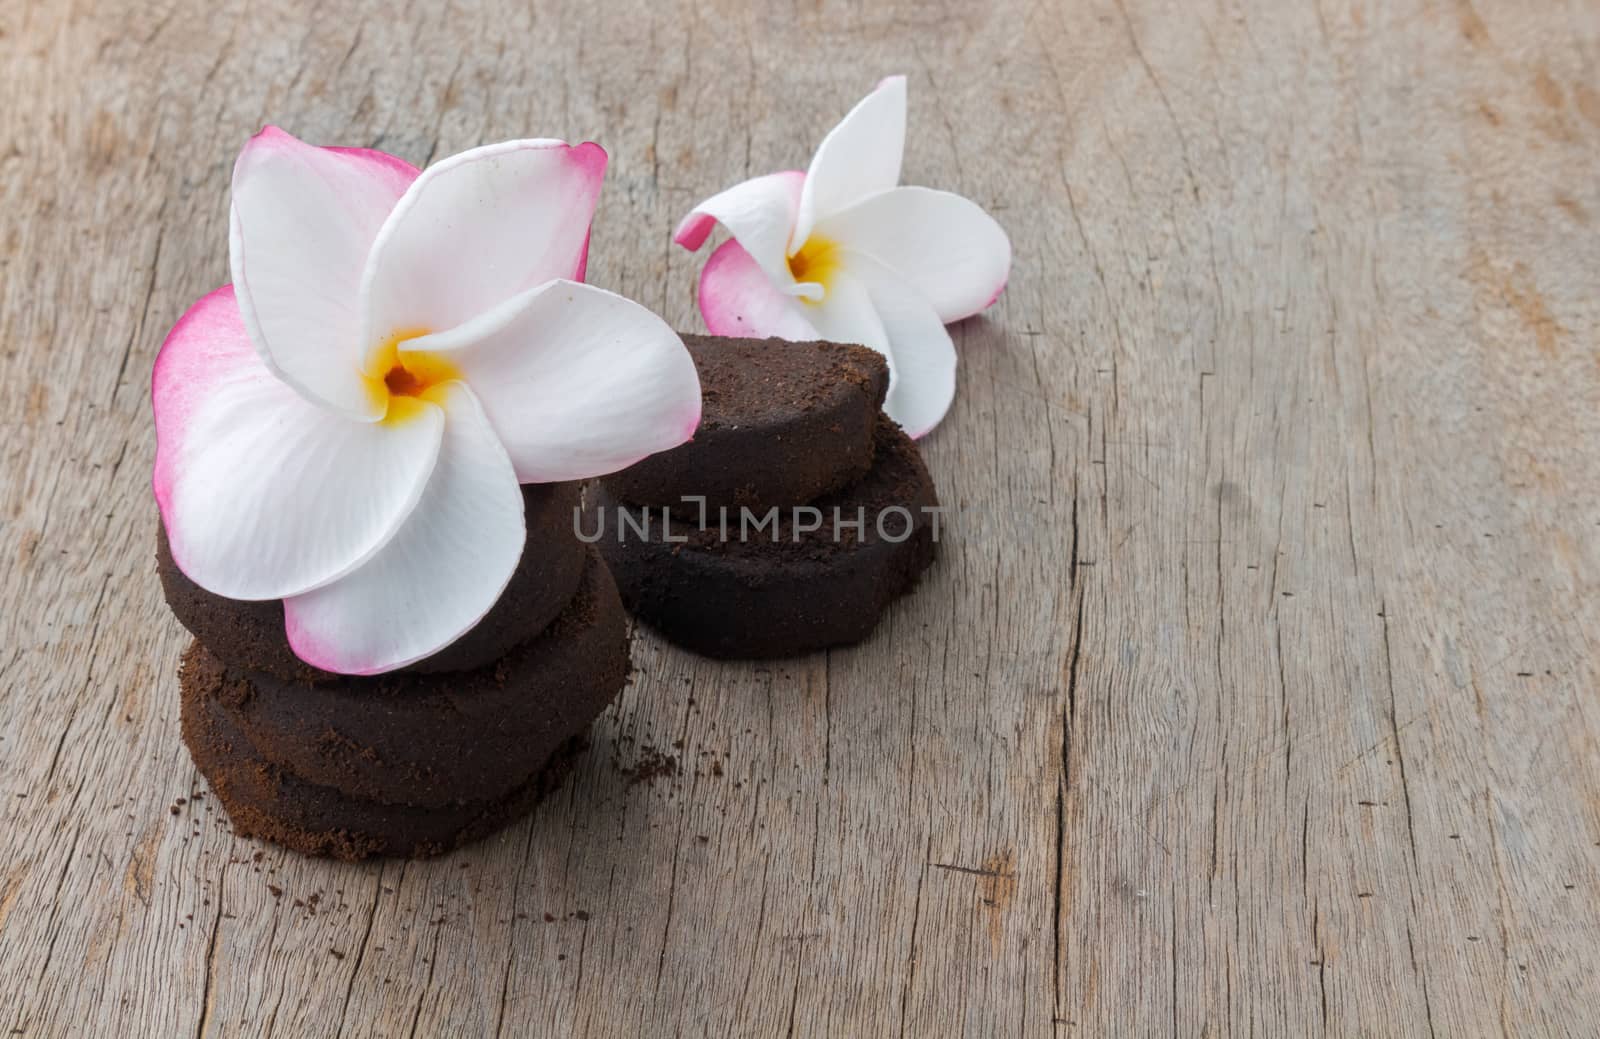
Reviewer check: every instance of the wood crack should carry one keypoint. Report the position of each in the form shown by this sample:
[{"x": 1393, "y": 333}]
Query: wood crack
[
  {"x": 911, "y": 957},
  {"x": 361, "y": 952},
  {"x": 211, "y": 959},
  {"x": 1064, "y": 782},
  {"x": 1399, "y": 748}
]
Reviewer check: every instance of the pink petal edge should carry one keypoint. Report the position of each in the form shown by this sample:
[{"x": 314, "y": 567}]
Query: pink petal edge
[
  {"x": 322, "y": 653},
  {"x": 594, "y": 159},
  {"x": 693, "y": 230},
  {"x": 582, "y": 270},
  {"x": 274, "y": 136},
  {"x": 395, "y": 163},
  {"x": 169, "y": 404},
  {"x": 317, "y": 652},
  {"x": 997, "y": 292}
]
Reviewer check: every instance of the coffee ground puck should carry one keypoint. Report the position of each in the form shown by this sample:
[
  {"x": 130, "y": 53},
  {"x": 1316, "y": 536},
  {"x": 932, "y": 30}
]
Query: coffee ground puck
[
  {"x": 405, "y": 764},
  {"x": 781, "y": 423},
  {"x": 723, "y": 591}
]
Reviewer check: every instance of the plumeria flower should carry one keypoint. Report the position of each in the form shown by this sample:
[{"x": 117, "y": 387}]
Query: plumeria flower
[
  {"x": 346, "y": 425},
  {"x": 841, "y": 252}
]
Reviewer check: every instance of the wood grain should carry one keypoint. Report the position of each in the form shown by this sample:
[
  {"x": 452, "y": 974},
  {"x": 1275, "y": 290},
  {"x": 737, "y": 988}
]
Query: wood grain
[{"x": 1254, "y": 693}]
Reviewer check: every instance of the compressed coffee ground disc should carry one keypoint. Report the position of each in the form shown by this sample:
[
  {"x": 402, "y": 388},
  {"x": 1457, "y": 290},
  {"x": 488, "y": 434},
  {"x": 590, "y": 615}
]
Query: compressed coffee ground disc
[
  {"x": 251, "y": 635},
  {"x": 266, "y": 802},
  {"x": 782, "y": 423},
  {"x": 771, "y": 595},
  {"x": 404, "y": 764},
  {"x": 433, "y": 739}
]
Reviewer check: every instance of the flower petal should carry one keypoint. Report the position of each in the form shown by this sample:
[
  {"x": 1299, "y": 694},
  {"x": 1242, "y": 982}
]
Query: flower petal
[
  {"x": 440, "y": 574},
  {"x": 577, "y": 381},
  {"x": 760, "y": 213},
  {"x": 942, "y": 245},
  {"x": 869, "y": 305},
  {"x": 302, "y": 222},
  {"x": 263, "y": 493},
  {"x": 477, "y": 229},
  {"x": 922, "y": 359},
  {"x": 737, "y": 298},
  {"x": 859, "y": 157}
]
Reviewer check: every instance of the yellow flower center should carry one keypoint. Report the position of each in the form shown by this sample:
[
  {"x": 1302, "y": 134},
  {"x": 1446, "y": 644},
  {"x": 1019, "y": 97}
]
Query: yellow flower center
[
  {"x": 815, "y": 262},
  {"x": 398, "y": 382}
]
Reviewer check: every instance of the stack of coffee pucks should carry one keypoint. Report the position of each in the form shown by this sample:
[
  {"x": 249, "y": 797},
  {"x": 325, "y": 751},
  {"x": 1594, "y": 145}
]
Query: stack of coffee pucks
[
  {"x": 797, "y": 513},
  {"x": 417, "y": 761}
]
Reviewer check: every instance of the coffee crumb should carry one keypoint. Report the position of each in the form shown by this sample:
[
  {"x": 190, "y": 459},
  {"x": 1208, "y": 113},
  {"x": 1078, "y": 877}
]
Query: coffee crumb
[{"x": 653, "y": 764}]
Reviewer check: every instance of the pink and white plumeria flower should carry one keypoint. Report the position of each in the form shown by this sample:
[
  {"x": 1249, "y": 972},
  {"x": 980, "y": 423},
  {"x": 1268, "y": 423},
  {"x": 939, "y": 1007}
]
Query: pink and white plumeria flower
[
  {"x": 841, "y": 252},
  {"x": 346, "y": 425}
]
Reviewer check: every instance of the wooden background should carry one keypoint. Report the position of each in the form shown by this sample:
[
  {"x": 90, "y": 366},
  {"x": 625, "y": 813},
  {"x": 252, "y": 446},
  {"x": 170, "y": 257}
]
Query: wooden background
[{"x": 1255, "y": 692}]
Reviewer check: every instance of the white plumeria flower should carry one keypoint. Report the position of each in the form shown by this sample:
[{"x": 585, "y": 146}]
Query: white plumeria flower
[
  {"x": 345, "y": 426},
  {"x": 841, "y": 252}
]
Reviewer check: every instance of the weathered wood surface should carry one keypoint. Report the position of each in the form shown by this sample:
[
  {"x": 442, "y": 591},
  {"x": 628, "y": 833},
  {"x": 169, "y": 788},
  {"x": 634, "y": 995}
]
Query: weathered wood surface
[{"x": 1255, "y": 692}]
